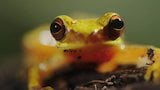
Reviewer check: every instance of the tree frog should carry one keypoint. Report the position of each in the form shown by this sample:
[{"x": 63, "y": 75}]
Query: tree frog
[{"x": 68, "y": 41}]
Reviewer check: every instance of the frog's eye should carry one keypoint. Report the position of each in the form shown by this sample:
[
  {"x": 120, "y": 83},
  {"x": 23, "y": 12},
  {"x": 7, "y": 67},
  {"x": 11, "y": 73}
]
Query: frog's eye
[
  {"x": 57, "y": 29},
  {"x": 114, "y": 28},
  {"x": 117, "y": 24}
]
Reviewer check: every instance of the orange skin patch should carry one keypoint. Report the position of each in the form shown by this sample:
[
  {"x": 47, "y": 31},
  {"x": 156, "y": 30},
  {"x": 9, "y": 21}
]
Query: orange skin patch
[{"x": 91, "y": 54}]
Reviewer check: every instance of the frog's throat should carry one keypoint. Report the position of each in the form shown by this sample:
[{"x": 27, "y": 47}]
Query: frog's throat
[{"x": 117, "y": 42}]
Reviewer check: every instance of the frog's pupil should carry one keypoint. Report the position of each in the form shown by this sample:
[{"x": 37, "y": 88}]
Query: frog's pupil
[
  {"x": 117, "y": 24},
  {"x": 55, "y": 27}
]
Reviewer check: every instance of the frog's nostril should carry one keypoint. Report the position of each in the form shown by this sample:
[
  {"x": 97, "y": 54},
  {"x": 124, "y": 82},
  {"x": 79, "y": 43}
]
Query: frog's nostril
[{"x": 117, "y": 24}]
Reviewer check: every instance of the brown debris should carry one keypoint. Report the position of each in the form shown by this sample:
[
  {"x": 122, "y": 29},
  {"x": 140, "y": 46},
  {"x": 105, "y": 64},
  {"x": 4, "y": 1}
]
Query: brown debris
[{"x": 79, "y": 79}]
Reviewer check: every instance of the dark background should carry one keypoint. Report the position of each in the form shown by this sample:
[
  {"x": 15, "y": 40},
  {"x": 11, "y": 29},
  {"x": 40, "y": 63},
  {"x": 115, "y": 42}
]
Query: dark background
[{"x": 142, "y": 18}]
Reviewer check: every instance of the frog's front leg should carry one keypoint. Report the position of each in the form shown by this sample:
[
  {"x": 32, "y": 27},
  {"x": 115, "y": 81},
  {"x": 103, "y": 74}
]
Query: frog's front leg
[
  {"x": 33, "y": 78},
  {"x": 153, "y": 71},
  {"x": 130, "y": 54},
  {"x": 39, "y": 71}
]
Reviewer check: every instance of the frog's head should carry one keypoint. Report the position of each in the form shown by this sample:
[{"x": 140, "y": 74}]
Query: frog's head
[{"x": 74, "y": 33}]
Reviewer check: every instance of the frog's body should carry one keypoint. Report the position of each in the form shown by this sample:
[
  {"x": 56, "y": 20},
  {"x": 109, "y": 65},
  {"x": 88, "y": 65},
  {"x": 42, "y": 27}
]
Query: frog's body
[{"x": 86, "y": 41}]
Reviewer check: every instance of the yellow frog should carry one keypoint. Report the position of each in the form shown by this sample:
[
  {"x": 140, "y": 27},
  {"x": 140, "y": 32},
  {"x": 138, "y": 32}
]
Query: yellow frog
[{"x": 81, "y": 42}]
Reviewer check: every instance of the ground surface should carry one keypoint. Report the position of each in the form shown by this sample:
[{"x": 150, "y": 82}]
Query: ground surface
[{"x": 124, "y": 78}]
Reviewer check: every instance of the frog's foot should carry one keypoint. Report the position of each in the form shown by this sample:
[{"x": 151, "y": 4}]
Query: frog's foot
[
  {"x": 43, "y": 88},
  {"x": 34, "y": 88},
  {"x": 47, "y": 88},
  {"x": 153, "y": 72},
  {"x": 107, "y": 67}
]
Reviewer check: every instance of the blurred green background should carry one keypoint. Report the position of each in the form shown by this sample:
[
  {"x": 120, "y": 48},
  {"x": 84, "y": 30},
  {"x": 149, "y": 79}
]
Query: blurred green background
[{"x": 19, "y": 16}]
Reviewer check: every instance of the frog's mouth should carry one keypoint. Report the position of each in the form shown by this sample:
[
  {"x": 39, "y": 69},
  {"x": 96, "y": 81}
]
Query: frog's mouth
[{"x": 74, "y": 45}]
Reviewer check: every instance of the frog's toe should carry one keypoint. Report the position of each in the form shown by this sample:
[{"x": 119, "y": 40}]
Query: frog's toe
[
  {"x": 34, "y": 88},
  {"x": 153, "y": 73},
  {"x": 107, "y": 67},
  {"x": 47, "y": 88},
  {"x": 43, "y": 88}
]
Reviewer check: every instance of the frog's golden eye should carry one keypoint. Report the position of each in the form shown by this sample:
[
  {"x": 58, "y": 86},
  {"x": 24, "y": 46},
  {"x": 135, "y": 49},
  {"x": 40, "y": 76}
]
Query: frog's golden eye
[
  {"x": 57, "y": 29},
  {"x": 114, "y": 28},
  {"x": 116, "y": 24}
]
